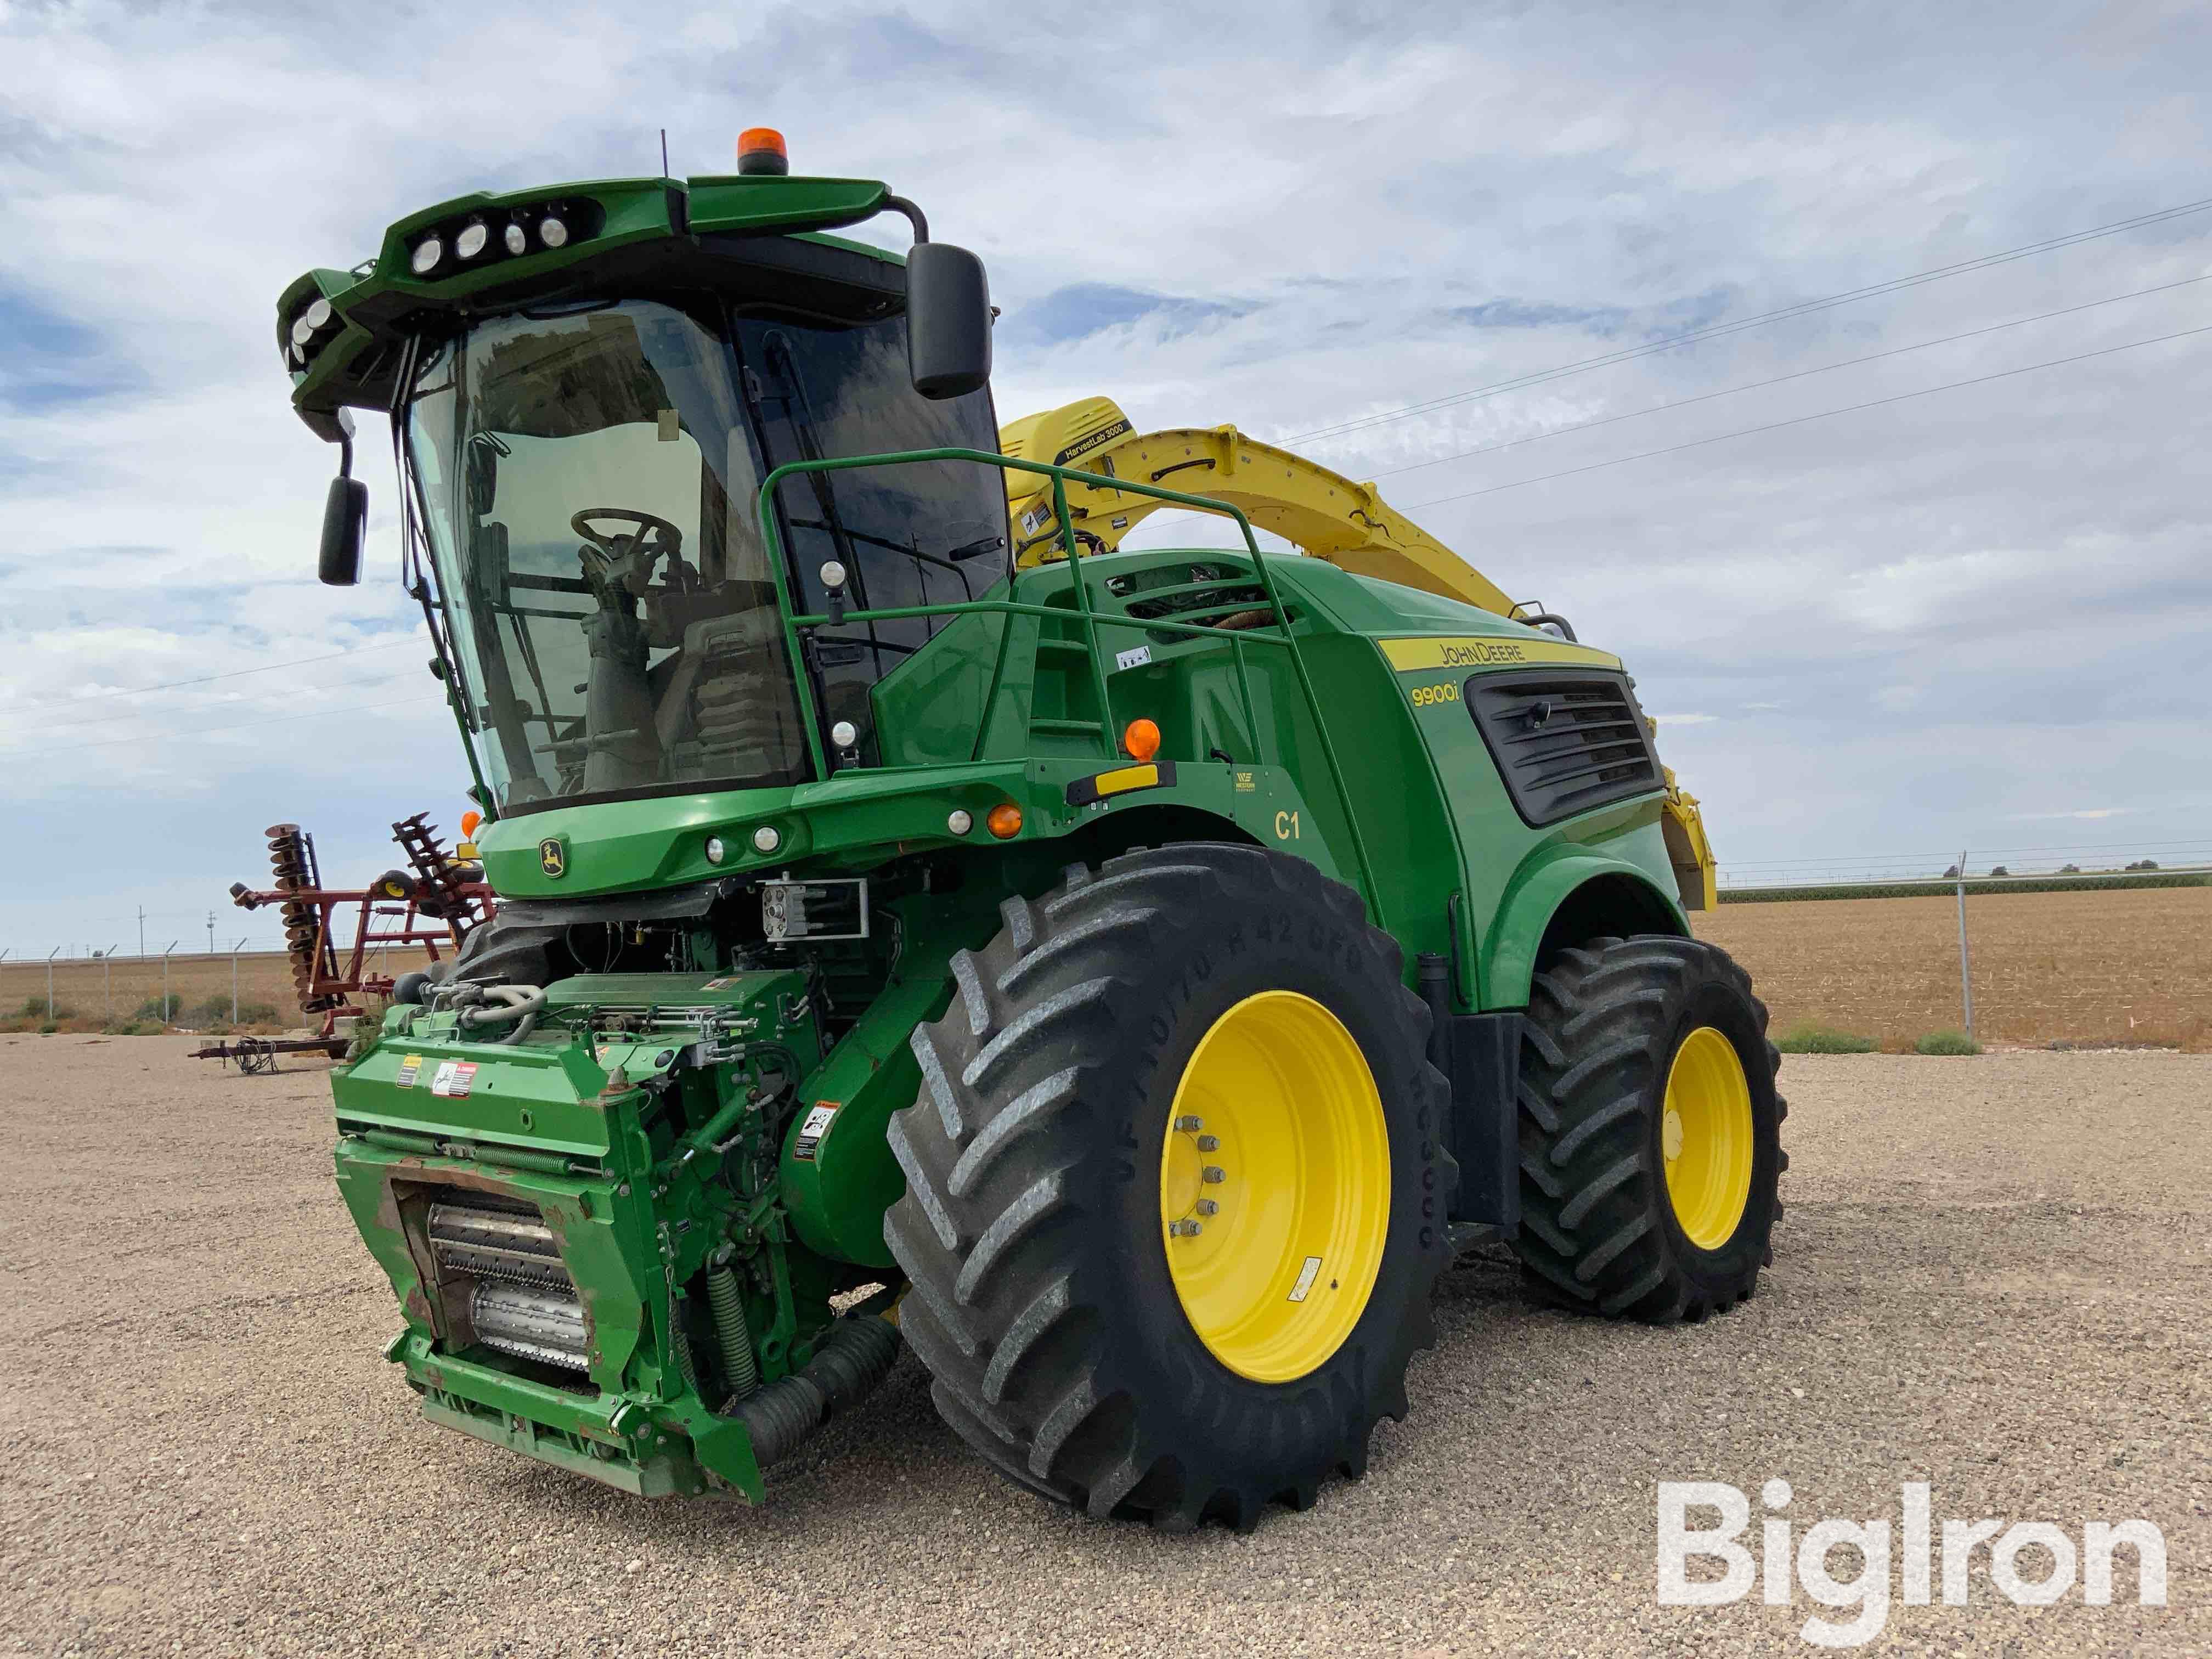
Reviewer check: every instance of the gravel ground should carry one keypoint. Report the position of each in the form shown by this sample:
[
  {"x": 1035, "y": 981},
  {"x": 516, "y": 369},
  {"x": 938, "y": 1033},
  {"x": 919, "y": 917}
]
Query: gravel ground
[{"x": 1990, "y": 1278}]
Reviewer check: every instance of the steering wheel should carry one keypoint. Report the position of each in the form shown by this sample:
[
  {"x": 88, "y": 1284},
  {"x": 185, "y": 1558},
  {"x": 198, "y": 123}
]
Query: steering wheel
[{"x": 632, "y": 550}]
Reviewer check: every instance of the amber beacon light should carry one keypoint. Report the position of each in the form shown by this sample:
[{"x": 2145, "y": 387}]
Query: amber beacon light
[{"x": 761, "y": 149}]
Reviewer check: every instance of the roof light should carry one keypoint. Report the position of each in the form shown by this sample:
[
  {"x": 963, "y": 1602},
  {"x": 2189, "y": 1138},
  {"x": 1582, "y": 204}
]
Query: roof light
[
  {"x": 427, "y": 252},
  {"x": 471, "y": 242},
  {"x": 317, "y": 313},
  {"x": 761, "y": 149},
  {"x": 552, "y": 232},
  {"x": 517, "y": 239}
]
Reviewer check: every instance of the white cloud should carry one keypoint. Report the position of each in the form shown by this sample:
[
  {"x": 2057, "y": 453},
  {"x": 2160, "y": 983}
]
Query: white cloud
[{"x": 1952, "y": 608}]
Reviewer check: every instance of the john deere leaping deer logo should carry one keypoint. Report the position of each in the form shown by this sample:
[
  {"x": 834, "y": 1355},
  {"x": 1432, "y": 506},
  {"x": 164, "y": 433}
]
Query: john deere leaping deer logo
[{"x": 553, "y": 857}]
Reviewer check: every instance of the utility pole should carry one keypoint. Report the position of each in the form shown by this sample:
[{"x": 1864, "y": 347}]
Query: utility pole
[
  {"x": 1966, "y": 973},
  {"x": 234, "y": 979},
  {"x": 51, "y": 954},
  {"x": 141, "y": 930},
  {"x": 107, "y": 973},
  {"x": 210, "y": 933},
  {"x": 167, "y": 1012}
]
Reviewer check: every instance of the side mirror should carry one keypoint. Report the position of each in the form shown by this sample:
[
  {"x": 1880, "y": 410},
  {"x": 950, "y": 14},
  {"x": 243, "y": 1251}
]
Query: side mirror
[
  {"x": 948, "y": 320},
  {"x": 345, "y": 520}
]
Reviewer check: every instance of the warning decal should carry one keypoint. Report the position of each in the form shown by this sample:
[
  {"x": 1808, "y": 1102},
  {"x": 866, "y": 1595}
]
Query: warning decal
[
  {"x": 453, "y": 1078},
  {"x": 408, "y": 1068},
  {"x": 816, "y": 1126}
]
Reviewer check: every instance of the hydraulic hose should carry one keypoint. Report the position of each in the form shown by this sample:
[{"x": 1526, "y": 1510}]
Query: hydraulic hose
[{"x": 489, "y": 1004}]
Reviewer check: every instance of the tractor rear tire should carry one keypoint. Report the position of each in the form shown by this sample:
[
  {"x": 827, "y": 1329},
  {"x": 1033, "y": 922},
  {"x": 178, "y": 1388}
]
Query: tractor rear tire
[
  {"x": 1651, "y": 1144},
  {"x": 1105, "y": 1317}
]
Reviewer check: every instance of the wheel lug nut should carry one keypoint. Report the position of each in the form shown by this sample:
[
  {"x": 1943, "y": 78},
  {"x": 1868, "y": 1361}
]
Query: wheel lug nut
[
  {"x": 1208, "y": 1206},
  {"x": 1214, "y": 1174},
  {"x": 1183, "y": 1229},
  {"x": 1209, "y": 1143},
  {"x": 1188, "y": 1125}
]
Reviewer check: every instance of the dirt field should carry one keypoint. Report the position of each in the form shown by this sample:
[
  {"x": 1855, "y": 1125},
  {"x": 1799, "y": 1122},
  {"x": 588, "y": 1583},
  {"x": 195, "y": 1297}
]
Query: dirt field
[
  {"x": 2115, "y": 966},
  {"x": 1990, "y": 1278}
]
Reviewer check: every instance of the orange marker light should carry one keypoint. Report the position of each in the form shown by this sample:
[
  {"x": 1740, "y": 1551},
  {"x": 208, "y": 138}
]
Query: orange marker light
[
  {"x": 1004, "y": 820},
  {"x": 469, "y": 822},
  {"x": 1142, "y": 739},
  {"x": 760, "y": 149}
]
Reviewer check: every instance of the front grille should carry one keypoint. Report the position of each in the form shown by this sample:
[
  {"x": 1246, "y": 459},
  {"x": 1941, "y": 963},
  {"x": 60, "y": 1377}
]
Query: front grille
[
  {"x": 501, "y": 1263},
  {"x": 1564, "y": 742}
]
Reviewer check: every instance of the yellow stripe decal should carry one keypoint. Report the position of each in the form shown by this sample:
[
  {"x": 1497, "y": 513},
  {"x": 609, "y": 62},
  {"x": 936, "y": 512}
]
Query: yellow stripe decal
[
  {"x": 1418, "y": 655},
  {"x": 1130, "y": 777}
]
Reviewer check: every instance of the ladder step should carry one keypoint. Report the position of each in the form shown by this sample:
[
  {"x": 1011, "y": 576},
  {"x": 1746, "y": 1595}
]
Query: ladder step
[
  {"x": 1077, "y": 647},
  {"x": 1068, "y": 728}
]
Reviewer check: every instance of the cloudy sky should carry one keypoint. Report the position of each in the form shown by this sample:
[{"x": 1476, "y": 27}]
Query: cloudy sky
[{"x": 1912, "y": 614}]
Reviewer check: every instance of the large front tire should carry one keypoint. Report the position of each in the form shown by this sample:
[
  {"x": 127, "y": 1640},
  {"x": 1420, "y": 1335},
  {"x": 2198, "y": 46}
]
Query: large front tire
[
  {"x": 1175, "y": 1188},
  {"x": 1651, "y": 1130}
]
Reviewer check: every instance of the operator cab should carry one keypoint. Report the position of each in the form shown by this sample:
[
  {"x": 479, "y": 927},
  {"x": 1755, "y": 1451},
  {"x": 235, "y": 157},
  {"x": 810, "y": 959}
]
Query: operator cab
[
  {"x": 588, "y": 389},
  {"x": 587, "y": 476}
]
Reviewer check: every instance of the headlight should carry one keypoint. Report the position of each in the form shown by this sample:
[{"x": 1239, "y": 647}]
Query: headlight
[
  {"x": 517, "y": 239},
  {"x": 844, "y": 734},
  {"x": 471, "y": 242},
  {"x": 552, "y": 232},
  {"x": 302, "y": 331},
  {"x": 766, "y": 839},
  {"x": 427, "y": 252},
  {"x": 318, "y": 315},
  {"x": 716, "y": 851}
]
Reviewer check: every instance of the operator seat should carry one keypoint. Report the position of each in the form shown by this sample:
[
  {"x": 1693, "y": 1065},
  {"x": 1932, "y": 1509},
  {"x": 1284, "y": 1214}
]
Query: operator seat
[{"x": 729, "y": 700}]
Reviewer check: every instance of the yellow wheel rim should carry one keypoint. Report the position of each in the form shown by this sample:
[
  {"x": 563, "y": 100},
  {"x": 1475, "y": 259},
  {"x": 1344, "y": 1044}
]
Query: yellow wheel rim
[
  {"x": 1705, "y": 1135},
  {"x": 1275, "y": 1187}
]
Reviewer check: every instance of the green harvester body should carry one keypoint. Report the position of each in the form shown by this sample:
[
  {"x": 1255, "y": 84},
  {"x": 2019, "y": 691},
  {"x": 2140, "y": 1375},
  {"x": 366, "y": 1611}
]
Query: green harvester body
[{"x": 687, "y": 1143}]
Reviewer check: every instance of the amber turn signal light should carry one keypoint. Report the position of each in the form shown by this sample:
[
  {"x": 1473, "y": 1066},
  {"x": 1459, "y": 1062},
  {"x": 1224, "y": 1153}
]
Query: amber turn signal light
[
  {"x": 1141, "y": 740},
  {"x": 1004, "y": 820}
]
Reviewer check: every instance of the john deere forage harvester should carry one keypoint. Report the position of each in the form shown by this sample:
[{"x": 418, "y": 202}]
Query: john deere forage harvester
[{"x": 1129, "y": 976}]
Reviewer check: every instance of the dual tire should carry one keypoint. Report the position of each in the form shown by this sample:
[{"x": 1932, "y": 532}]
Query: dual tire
[{"x": 1177, "y": 1186}]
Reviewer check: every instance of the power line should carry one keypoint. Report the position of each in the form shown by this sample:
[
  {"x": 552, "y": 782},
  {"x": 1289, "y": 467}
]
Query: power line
[
  {"x": 203, "y": 679},
  {"x": 1778, "y": 379},
  {"x": 1668, "y": 343},
  {"x": 1800, "y": 420},
  {"x": 170, "y": 737},
  {"x": 1951, "y": 856}
]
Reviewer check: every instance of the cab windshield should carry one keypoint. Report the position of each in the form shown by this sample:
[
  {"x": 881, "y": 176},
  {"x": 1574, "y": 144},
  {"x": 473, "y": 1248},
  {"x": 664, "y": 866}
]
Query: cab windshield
[{"x": 588, "y": 480}]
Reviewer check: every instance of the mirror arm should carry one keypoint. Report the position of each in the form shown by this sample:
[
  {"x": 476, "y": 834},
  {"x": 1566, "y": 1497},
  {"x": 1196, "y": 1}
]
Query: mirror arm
[{"x": 900, "y": 204}]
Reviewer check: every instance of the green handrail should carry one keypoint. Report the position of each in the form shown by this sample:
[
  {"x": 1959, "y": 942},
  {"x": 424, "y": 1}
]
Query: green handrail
[{"x": 772, "y": 537}]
